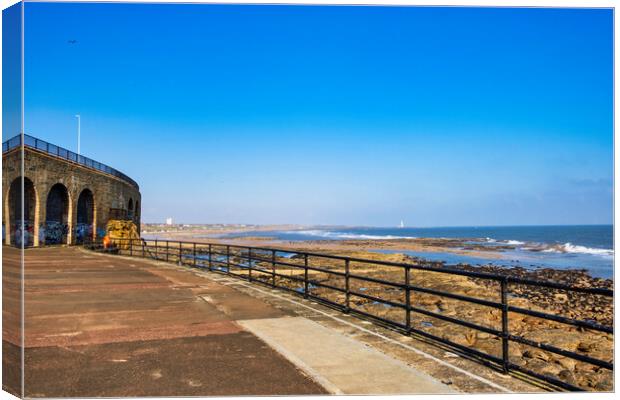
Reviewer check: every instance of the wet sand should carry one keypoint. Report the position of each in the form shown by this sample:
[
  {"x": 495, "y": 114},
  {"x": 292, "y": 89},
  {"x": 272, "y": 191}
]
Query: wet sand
[{"x": 434, "y": 245}]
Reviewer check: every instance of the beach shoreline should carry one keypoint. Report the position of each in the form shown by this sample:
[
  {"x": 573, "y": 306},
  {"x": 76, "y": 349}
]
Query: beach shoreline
[
  {"x": 437, "y": 245},
  {"x": 469, "y": 250},
  {"x": 557, "y": 302}
]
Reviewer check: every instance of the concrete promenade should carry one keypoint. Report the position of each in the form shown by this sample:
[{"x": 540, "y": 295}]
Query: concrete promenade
[{"x": 102, "y": 325}]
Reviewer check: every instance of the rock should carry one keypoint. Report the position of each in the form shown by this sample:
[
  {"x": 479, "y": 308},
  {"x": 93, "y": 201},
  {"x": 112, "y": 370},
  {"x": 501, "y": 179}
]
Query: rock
[
  {"x": 537, "y": 354},
  {"x": 584, "y": 367},
  {"x": 551, "y": 369},
  {"x": 567, "y": 363},
  {"x": 483, "y": 335},
  {"x": 586, "y": 347},
  {"x": 536, "y": 364},
  {"x": 470, "y": 338},
  {"x": 605, "y": 382},
  {"x": 531, "y": 321},
  {"x": 568, "y": 377},
  {"x": 587, "y": 380},
  {"x": 556, "y": 337},
  {"x": 123, "y": 230},
  {"x": 459, "y": 338},
  {"x": 515, "y": 351}
]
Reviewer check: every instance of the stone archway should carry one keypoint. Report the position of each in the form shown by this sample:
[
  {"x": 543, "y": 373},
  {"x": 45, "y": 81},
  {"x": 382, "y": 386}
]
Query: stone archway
[
  {"x": 85, "y": 218},
  {"x": 14, "y": 227},
  {"x": 130, "y": 210},
  {"x": 136, "y": 212},
  {"x": 57, "y": 215}
]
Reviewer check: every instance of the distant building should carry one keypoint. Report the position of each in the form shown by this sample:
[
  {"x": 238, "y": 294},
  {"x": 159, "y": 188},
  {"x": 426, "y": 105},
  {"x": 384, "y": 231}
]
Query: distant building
[{"x": 169, "y": 221}]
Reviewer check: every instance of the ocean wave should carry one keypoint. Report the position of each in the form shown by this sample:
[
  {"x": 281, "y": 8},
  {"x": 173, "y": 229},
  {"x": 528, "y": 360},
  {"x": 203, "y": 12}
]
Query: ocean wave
[
  {"x": 572, "y": 248},
  {"x": 346, "y": 235},
  {"x": 565, "y": 248},
  {"x": 513, "y": 242}
]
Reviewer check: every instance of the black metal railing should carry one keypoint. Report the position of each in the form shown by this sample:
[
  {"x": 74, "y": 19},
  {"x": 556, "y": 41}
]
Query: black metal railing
[
  {"x": 337, "y": 284},
  {"x": 52, "y": 149}
]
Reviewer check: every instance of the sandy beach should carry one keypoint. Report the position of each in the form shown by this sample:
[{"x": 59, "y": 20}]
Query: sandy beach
[{"x": 434, "y": 245}]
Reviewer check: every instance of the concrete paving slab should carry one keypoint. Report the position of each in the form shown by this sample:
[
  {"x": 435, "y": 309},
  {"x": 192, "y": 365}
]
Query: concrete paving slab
[
  {"x": 106, "y": 326},
  {"x": 340, "y": 363}
]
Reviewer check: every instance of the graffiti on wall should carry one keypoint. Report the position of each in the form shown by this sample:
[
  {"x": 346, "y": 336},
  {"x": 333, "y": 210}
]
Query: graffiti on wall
[
  {"x": 83, "y": 232},
  {"x": 28, "y": 233},
  {"x": 55, "y": 232}
]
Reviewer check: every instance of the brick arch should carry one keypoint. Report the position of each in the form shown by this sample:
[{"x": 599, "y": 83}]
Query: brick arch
[
  {"x": 136, "y": 211},
  {"x": 12, "y": 223},
  {"x": 85, "y": 226},
  {"x": 130, "y": 209},
  {"x": 59, "y": 221}
]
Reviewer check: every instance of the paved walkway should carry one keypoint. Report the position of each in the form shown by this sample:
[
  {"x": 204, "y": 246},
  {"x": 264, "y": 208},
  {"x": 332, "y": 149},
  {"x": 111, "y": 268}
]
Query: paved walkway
[
  {"x": 341, "y": 364},
  {"x": 102, "y": 325}
]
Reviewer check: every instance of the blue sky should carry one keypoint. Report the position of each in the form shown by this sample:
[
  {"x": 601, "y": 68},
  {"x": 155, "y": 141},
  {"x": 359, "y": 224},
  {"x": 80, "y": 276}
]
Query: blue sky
[{"x": 334, "y": 115}]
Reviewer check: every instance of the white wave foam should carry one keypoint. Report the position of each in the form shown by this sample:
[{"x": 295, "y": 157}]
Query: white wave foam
[
  {"x": 513, "y": 242},
  {"x": 346, "y": 235},
  {"x": 572, "y": 248}
]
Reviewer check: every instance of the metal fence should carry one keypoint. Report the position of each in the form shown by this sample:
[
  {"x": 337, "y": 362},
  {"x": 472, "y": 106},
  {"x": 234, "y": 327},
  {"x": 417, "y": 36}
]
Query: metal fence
[
  {"x": 52, "y": 149},
  {"x": 337, "y": 281}
]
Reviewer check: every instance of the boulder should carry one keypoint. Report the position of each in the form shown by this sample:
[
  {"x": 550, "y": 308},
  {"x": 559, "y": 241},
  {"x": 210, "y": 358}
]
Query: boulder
[
  {"x": 118, "y": 231},
  {"x": 567, "y": 363},
  {"x": 537, "y": 354},
  {"x": 568, "y": 377},
  {"x": 586, "y": 346}
]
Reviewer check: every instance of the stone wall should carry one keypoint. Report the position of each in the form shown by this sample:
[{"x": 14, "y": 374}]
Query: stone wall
[{"x": 110, "y": 195}]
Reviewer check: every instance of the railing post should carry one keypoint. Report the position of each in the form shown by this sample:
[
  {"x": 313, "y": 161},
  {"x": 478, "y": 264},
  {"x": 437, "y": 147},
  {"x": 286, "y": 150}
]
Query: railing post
[
  {"x": 306, "y": 276},
  {"x": 210, "y": 256},
  {"x": 250, "y": 264},
  {"x": 167, "y": 249},
  {"x": 505, "y": 333},
  {"x": 156, "y": 250},
  {"x": 143, "y": 254},
  {"x": 180, "y": 253},
  {"x": 228, "y": 259},
  {"x": 347, "y": 306},
  {"x": 130, "y": 247},
  {"x": 194, "y": 255},
  {"x": 408, "y": 298},
  {"x": 273, "y": 268}
]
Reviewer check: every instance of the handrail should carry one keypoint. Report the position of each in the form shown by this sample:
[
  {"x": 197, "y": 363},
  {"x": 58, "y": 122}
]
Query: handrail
[
  {"x": 60, "y": 152},
  {"x": 227, "y": 258}
]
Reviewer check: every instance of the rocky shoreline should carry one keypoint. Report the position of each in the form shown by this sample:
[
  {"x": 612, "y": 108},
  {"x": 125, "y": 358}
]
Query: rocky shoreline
[{"x": 572, "y": 305}]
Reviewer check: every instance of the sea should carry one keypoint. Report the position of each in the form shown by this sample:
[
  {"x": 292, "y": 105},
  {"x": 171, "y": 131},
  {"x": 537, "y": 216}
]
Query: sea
[{"x": 589, "y": 247}]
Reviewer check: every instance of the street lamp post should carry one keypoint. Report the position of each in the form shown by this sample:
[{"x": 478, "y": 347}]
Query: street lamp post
[{"x": 78, "y": 118}]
